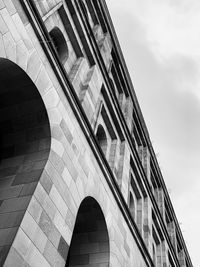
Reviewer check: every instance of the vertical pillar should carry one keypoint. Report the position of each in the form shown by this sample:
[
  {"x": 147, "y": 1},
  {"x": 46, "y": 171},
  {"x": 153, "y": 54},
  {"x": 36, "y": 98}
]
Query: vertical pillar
[
  {"x": 165, "y": 254},
  {"x": 128, "y": 112},
  {"x": 172, "y": 234},
  {"x": 159, "y": 255},
  {"x": 161, "y": 205},
  {"x": 140, "y": 215},
  {"x": 144, "y": 156},
  {"x": 147, "y": 223},
  {"x": 181, "y": 258},
  {"x": 123, "y": 169},
  {"x": 112, "y": 155},
  {"x": 122, "y": 102}
]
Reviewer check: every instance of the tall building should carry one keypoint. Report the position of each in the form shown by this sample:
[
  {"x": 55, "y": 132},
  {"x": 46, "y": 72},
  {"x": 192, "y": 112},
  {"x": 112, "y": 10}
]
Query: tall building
[{"x": 79, "y": 181}]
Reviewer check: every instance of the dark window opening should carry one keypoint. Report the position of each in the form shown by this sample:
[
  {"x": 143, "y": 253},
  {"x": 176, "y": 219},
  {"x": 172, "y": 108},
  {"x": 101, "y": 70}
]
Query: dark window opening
[
  {"x": 102, "y": 138},
  {"x": 59, "y": 43}
]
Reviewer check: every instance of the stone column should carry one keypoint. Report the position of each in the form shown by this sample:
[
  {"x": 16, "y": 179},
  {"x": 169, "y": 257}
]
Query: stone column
[
  {"x": 112, "y": 155},
  {"x": 147, "y": 223},
  {"x": 140, "y": 215},
  {"x": 144, "y": 156},
  {"x": 165, "y": 258},
  {"x": 128, "y": 112},
  {"x": 159, "y": 255},
  {"x": 181, "y": 258},
  {"x": 161, "y": 204},
  {"x": 123, "y": 169},
  {"x": 172, "y": 234}
]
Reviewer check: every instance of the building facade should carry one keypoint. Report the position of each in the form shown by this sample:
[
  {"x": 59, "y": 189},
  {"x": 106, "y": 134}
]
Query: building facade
[{"x": 79, "y": 181}]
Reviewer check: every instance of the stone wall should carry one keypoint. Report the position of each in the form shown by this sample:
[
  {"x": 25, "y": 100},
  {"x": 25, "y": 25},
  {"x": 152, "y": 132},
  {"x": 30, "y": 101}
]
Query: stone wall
[{"x": 71, "y": 172}]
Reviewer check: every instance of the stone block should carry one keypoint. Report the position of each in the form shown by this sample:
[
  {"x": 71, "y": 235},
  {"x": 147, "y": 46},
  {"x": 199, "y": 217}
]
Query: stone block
[
  {"x": 43, "y": 81},
  {"x": 34, "y": 66},
  {"x": 66, "y": 131},
  {"x": 56, "y": 178},
  {"x": 70, "y": 166},
  {"x": 3, "y": 253},
  {"x": 10, "y": 192},
  {"x": 10, "y": 24},
  {"x": 63, "y": 248},
  {"x": 83, "y": 163},
  {"x": 35, "y": 209},
  {"x": 45, "y": 223},
  {"x": 62, "y": 227},
  {"x": 46, "y": 182},
  {"x": 3, "y": 26},
  {"x": 58, "y": 201},
  {"x": 14, "y": 204},
  {"x": 10, "y": 7},
  {"x": 52, "y": 255},
  {"x": 20, "y": 11},
  {"x": 7, "y": 236},
  {"x": 49, "y": 207},
  {"x": 35, "y": 258},
  {"x": 14, "y": 259},
  {"x": 27, "y": 177},
  {"x": 10, "y": 220},
  {"x": 9, "y": 171},
  {"x": 2, "y": 49},
  {"x": 57, "y": 162},
  {"x": 2, "y": 5},
  {"x": 51, "y": 98},
  {"x": 54, "y": 116},
  {"x": 56, "y": 132},
  {"x": 74, "y": 193},
  {"x": 57, "y": 147},
  {"x": 66, "y": 176},
  {"x": 28, "y": 189}
]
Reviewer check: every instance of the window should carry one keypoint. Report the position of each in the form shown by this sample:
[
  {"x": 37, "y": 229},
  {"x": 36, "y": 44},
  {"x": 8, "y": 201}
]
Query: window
[
  {"x": 59, "y": 43},
  {"x": 102, "y": 139}
]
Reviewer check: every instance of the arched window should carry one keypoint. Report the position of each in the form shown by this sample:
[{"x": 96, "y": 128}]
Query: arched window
[
  {"x": 25, "y": 145},
  {"x": 102, "y": 138},
  {"x": 90, "y": 241},
  {"x": 132, "y": 205},
  {"x": 59, "y": 43}
]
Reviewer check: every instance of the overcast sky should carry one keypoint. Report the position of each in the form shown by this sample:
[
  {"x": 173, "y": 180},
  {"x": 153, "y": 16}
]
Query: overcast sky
[{"x": 160, "y": 40}]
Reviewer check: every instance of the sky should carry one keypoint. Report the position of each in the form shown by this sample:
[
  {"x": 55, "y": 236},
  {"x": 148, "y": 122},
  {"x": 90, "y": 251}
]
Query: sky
[{"x": 160, "y": 40}]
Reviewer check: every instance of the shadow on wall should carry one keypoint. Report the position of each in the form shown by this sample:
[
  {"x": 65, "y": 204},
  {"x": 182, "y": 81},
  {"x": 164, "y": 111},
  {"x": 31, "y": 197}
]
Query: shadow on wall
[
  {"x": 102, "y": 138},
  {"x": 24, "y": 147},
  {"x": 90, "y": 240}
]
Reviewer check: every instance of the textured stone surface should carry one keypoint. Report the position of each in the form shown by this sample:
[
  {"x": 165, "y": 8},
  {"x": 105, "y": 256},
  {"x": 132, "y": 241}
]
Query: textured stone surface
[{"x": 48, "y": 168}]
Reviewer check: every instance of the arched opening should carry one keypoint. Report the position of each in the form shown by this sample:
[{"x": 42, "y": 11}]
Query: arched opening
[
  {"x": 90, "y": 241},
  {"x": 101, "y": 138},
  {"x": 24, "y": 147},
  {"x": 132, "y": 206},
  {"x": 59, "y": 43}
]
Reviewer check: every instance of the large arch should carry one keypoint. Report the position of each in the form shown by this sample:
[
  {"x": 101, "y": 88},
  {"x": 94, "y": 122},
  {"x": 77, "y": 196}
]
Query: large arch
[
  {"x": 24, "y": 147},
  {"x": 90, "y": 240}
]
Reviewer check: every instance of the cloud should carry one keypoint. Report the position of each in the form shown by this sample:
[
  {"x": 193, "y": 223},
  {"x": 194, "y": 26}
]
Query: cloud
[
  {"x": 160, "y": 40},
  {"x": 172, "y": 25}
]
